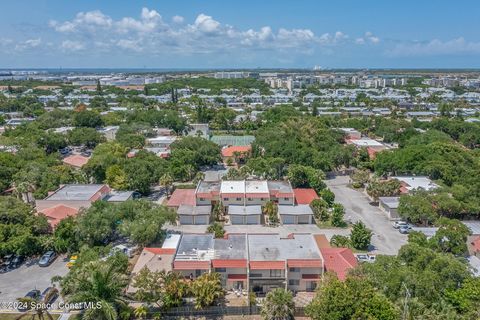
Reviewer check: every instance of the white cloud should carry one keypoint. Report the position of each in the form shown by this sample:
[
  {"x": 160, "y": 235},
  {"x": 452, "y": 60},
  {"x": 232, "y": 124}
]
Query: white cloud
[
  {"x": 149, "y": 33},
  {"x": 89, "y": 20},
  {"x": 129, "y": 44},
  {"x": 435, "y": 47},
  {"x": 206, "y": 23},
  {"x": 178, "y": 19},
  {"x": 28, "y": 44},
  {"x": 69, "y": 45},
  {"x": 368, "y": 37}
]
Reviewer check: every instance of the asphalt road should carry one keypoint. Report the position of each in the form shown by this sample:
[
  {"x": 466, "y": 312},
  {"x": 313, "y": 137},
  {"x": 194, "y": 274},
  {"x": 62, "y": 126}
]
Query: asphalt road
[
  {"x": 386, "y": 239},
  {"x": 16, "y": 283}
]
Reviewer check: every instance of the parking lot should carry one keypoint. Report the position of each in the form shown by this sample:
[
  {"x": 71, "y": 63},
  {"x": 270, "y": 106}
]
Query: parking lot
[
  {"x": 386, "y": 239},
  {"x": 16, "y": 283}
]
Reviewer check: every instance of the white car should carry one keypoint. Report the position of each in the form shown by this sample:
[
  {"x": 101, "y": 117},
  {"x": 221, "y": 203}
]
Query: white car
[
  {"x": 365, "y": 258},
  {"x": 399, "y": 224}
]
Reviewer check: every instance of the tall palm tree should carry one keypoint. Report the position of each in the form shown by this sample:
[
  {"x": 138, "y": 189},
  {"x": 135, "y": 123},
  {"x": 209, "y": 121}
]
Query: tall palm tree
[
  {"x": 100, "y": 283},
  {"x": 278, "y": 305},
  {"x": 167, "y": 181},
  {"x": 40, "y": 311}
]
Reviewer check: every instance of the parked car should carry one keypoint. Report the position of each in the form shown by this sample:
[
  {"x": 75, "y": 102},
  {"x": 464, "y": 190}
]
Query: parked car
[
  {"x": 51, "y": 293},
  {"x": 16, "y": 262},
  {"x": 32, "y": 294},
  {"x": 399, "y": 224},
  {"x": 47, "y": 259},
  {"x": 365, "y": 258},
  {"x": 405, "y": 229}
]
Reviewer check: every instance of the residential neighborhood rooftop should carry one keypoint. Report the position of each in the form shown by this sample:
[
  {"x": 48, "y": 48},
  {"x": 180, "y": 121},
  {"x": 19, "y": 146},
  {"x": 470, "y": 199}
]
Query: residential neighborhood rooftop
[
  {"x": 199, "y": 247},
  {"x": 81, "y": 192},
  {"x": 232, "y": 246},
  {"x": 416, "y": 182},
  {"x": 302, "y": 209},
  {"x": 244, "y": 210},
  {"x": 272, "y": 247}
]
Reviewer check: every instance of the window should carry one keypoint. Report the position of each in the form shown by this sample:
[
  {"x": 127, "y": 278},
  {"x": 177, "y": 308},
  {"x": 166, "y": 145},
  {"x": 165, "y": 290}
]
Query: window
[
  {"x": 225, "y": 199},
  {"x": 293, "y": 282},
  {"x": 286, "y": 199},
  {"x": 202, "y": 199},
  {"x": 262, "y": 199},
  {"x": 220, "y": 269},
  {"x": 250, "y": 199},
  {"x": 255, "y": 275},
  {"x": 239, "y": 199},
  {"x": 294, "y": 270},
  {"x": 277, "y": 273}
]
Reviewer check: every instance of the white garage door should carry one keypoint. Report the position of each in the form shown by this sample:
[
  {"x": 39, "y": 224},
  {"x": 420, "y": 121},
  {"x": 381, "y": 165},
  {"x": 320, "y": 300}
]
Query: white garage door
[
  {"x": 237, "y": 219},
  {"x": 201, "y": 220},
  {"x": 253, "y": 219},
  {"x": 288, "y": 219},
  {"x": 304, "y": 219},
  {"x": 185, "y": 219}
]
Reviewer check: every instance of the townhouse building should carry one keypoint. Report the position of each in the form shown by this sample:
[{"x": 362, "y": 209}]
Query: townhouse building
[{"x": 252, "y": 262}]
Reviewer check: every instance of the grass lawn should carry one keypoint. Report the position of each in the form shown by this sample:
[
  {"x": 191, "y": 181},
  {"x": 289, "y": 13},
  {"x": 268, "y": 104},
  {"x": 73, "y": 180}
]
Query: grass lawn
[{"x": 14, "y": 316}]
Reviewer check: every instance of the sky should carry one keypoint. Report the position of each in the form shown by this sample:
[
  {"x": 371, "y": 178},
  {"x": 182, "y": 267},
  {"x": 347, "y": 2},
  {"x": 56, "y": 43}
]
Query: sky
[{"x": 239, "y": 34}]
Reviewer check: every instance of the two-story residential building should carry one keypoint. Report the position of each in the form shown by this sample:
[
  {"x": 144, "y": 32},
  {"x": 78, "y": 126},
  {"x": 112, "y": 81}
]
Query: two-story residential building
[
  {"x": 293, "y": 262},
  {"x": 230, "y": 261},
  {"x": 194, "y": 255}
]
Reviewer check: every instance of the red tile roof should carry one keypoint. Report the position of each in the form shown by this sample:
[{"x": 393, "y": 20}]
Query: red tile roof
[
  {"x": 234, "y": 263},
  {"x": 76, "y": 160},
  {"x": 267, "y": 265},
  {"x": 338, "y": 260},
  {"x": 237, "y": 277},
  {"x": 191, "y": 265},
  {"x": 305, "y": 196},
  {"x": 228, "y": 151},
  {"x": 57, "y": 213},
  {"x": 182, "y": 196},
  {"x": 161, "y": 250},
  {"x": 476, "y": 244},
  {"x": 322, "y": 241},
  {"x": 304, "y": 263}
]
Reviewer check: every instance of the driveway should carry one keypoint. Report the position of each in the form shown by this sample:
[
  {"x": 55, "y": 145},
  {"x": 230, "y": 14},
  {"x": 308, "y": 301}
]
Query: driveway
[
  {"x": 385, "y": 239},
  {"x": 16, "y": 283}
]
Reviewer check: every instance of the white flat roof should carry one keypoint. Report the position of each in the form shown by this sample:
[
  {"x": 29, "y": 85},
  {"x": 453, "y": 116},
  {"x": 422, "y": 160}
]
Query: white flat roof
[
  {"x": 272, "y": 247},
  {"x": 301, "y": 209},
  {"x": 417, "y": 183},
  {"x": 259, "y": 186},
  {"x": 162, "y": 139},
  {"x": 366, "y": 142},
  {"x": 171, "y": 241},
  {"x": 245, "y": 210},
  {"x": 232, "y": 187}
]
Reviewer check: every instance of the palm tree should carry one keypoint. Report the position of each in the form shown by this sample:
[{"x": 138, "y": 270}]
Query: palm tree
[
  {"x": 278, "y": 305},
  {"x": 167, "y": 181},
  {"x": 141, "y": 312},
  {"x": 40, "y": 311},
  {"x": 198, "y": 177},
  {"x": 207, "y": 288},
  {"x": 101, "y": 283}
]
